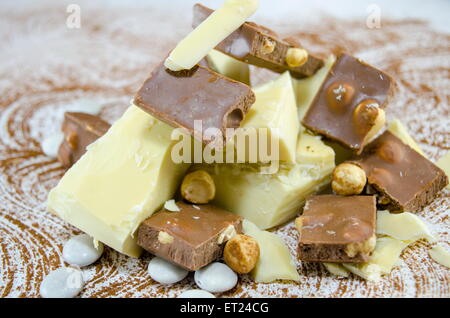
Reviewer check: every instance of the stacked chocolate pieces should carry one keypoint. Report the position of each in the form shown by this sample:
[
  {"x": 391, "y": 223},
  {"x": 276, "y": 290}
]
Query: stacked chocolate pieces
[{"x": 349, "y": 109}]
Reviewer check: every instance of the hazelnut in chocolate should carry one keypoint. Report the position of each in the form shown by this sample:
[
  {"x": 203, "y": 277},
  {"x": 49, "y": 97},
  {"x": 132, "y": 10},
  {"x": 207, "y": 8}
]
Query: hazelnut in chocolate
[
  {"x": 180, "y": 98},
  {"x": 403, "y": 179},
  {"x": 80, "y": 130},
  {"x": 348, "y": 108},
  {"x": 260, "y": 46},
  {"x": 191, "y": 238},
  {"x": 337, "y": 229}
]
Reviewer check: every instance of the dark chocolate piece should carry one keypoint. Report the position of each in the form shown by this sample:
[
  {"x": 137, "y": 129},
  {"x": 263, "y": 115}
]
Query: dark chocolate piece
[
  {"x": 403, "y": 178},
  {"x": 260, "y": 46},
  {"x": 80, "y": 130},
  {"x": 191, "y": 238},
  {"x": 337, "y": 229},
  {"x": 334, "y": 111}
]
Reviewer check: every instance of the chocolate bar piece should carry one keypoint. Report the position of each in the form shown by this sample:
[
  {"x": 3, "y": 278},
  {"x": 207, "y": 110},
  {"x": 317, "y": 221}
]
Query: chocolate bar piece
[
  {"x": 180, "y": 98},
  {"x": 337, "y": 229},
  {"x": 404, "y": 179},
  {"x": 347, "y": 105},
  {"x": 191, "y": 238},
  {"x": 80, "y": 130},
  {"x": 260, "y": 46}
]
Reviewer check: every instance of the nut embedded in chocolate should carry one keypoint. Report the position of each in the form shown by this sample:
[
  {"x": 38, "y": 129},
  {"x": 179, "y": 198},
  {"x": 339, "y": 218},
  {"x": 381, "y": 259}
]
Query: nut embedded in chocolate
[
  {"x": 337, "y": 229},
  {"x": 348, "y": 108},
  {"x": 260, "y": 46},
  {"x": 199, "y": 94},
  {"x": 403, "y": 179},
  {"x": 80, "y": 130},
  {"x": 191, "y": 238}
]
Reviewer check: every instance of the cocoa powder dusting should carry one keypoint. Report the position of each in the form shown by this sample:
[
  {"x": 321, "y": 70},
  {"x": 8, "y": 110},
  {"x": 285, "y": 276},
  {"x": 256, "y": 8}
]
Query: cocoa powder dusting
[{"x": 46, "y": 67}]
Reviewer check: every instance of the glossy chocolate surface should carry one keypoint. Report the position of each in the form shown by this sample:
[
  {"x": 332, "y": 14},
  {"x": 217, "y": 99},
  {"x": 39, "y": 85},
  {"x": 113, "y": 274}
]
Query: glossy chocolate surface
[
  {"x": 248, "y": 44},
  {"x": 334, "y": 111}
]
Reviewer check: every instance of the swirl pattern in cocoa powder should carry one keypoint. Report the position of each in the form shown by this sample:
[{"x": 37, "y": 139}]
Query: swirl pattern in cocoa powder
[{"x": 45, "y": 67}]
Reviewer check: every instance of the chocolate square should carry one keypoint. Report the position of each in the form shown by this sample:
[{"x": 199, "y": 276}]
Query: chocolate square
[
  {"x": 191, "y": 237},
  {"x": 403, "y": 178},
  {"x": 180, "y": 98},
  {"x": 337, "y": 229},
  {"x": 334, "y": 111}
]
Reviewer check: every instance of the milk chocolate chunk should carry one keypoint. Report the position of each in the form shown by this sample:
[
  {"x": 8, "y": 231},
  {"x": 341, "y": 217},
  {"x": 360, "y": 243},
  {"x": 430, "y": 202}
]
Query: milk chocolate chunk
[
  {"x": 348, "y": 107},
  {"x": 337, "y": 229},
  {"x": 403, "y": 179},
  {"x": 191, "y": 238},
  {"x": 260, "y": 46},
  {"x": 80, "y": 130},
  {"x": 180, "y": 98}
]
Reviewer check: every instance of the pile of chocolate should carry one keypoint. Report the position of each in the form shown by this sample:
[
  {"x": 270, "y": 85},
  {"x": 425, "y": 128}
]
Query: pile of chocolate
[{"x": 381, "y": 171}]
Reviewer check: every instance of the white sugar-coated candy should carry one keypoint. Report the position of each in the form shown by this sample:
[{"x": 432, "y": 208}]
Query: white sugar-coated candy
[
  {"x": 80, "y": 250},
  {"x": 50, "y": 145},
  {"x": 85, "y": 106},
  {"x": 215, "y": 278},
  {"x": 65, "y": 282},
  {"x": 165, "y": 272},
  {"x": 196, "y": 293}
]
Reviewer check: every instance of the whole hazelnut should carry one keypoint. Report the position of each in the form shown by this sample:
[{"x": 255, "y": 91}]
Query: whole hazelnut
[
  {"x": 241, "y": 253},
  {"x": 198, "y": 187},
  {"x": 368, "y": 119},
  {"x": 296, "y": 57},
  {"x": 339, "y": 95},
  {"x": 348, "y": 179}
]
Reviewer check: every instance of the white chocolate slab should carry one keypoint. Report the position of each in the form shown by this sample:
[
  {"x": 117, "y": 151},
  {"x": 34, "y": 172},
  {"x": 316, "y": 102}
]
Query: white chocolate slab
[
  {"x": 275, "y": 261},
  {"x": 440, "y": 255},
  {"x": 275, "y": 109},
  {"x": 228, "y": 66},
  {"x": 336, "y": 269},
  {"x": 123, "y": 178},
  {"x": 403, "y": 226},
  {"x": 206, "y": 36},
  {"x": 399, "y": 130},
  {"x": 307, "y": 88}
]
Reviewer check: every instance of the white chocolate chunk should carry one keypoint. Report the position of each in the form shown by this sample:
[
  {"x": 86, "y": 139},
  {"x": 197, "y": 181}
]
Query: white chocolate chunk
[
  {"x": 336, "y": 269},
  {"x": 123, "y": 178},
  {"x": 275, "y": 109},
  {"x": 383, "y": 259},
  {"x": 403, "y": 226},
  {"x": 307, "y": 88},
  {"x": 440, "y": 255},
  {"x": 444, "y": 164},
  {"x": 228, "y": 66},
  {"x": 50, "y": 145},
  {"x": 275, "y": 260},
  {"x": 370, "y": 272},
  {"x": 266, "y": 199},
  {"x": 215, "y": 278},
  {"x": 196, "y": 293},
  {"x": 81, "y": 251},
  {"x": 171, "y": 206},
  {"x": 165, "y": 272},
  {"x": 311, "y": 150},
  {"x": 399, "y": 130},
  {"x": 220, "y": 24},
  {"x": 64, "y": 282}
]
